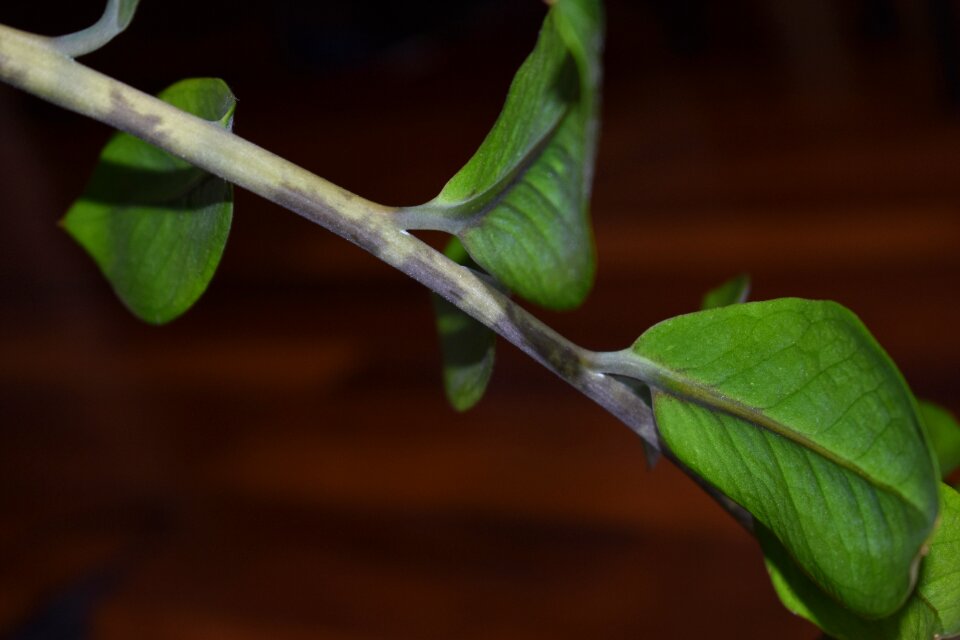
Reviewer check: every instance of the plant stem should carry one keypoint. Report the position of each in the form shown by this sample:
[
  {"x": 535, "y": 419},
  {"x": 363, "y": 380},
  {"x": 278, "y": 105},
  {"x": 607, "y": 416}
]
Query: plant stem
[
  {"x": 34, "y": 65},
  {"x": 633, "y": 365},
  {"x": 93, "y": 37}
]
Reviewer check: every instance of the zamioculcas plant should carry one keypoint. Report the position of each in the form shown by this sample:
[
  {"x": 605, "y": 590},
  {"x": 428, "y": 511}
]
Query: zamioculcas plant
[{"x": 787, "y": 411}]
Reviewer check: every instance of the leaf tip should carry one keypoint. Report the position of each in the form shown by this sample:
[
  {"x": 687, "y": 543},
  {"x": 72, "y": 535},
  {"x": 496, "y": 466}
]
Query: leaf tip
[{"x": 734, "y": 291}]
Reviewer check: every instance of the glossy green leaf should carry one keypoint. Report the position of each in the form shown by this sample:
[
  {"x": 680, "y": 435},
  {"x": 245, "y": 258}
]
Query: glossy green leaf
[
  {"x": 792, "y": 409},
  {"x": 156, "y": 225},
  {"x": 521, "y": 204},
  {"x": 467, "y": 346},
  {"x": 115, "y": 19},
  {"x": 933, "y": 610},
  {"x": 733, "y": 291},
  {"x": 944, "y": 432}
]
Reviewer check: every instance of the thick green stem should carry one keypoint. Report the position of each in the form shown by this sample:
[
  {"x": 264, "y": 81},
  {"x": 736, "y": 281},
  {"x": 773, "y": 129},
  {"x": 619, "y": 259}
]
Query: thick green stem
[{"x": 32, "y": 64}]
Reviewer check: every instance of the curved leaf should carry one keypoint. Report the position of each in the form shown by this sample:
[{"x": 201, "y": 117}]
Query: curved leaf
[
  {"x": 933, "y": 611},
  {"x": 467, "y": 346},
  {"x": 944, "y": 432},
  {"x": 733, "y": 291},
  {"x": 792, "y": 409},
  {"x": 520, "y": 204},
  {"x": 156, "y": 225}
]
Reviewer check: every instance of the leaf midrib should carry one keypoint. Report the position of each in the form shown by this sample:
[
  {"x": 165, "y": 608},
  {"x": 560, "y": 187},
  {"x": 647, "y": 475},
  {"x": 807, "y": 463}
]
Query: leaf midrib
[
  {"x": 675, "y": 384},
  {"x": 471, "y": 212}
]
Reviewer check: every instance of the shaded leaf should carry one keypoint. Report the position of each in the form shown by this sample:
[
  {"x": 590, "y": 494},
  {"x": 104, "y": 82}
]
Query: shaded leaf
[
  {"x": 156, "y": 225},
  {"x": 521, "y": 204},
  {"x": 733, "y": 291},
  {"x": 792, "y": 409},
  {"x": 944, "y": 432},
  {"x": 467, "y": 346},
  {"x": 933, "y": 610}
]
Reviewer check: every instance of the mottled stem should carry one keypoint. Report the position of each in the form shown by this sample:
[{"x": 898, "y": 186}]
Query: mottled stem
[{"x": 34, "y": 65}]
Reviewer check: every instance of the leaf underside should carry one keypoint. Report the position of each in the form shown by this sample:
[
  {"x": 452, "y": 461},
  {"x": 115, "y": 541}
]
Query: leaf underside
[
  {"x": 933, "y": 610},
  {"x": 520, "y": 204},
  {"x": 466, "y": 345},
  {"x": 155, "y": 225},
  {"x": 792, "y": 409}
]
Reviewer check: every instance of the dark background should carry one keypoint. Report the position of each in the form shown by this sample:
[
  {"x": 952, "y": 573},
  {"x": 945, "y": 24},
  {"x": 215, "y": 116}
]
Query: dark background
[{"x": 280, "y": 462}]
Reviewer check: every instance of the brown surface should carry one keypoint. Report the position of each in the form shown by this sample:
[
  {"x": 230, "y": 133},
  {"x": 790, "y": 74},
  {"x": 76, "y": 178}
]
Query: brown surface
[{"x": 280, "y": 463}]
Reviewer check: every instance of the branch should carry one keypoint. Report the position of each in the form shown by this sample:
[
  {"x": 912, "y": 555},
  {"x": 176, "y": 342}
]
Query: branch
[{"x": 32, "y": 64}]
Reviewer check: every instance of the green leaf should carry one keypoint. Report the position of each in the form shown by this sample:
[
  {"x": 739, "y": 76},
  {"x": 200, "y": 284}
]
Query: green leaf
[
  {"x": 792, "y": 409},
  {"x": 467, "y": 346},
  {"x": 521, "y": 204},
  {"x": 933, "y": 610},
  {"x": 115, "y": 19},
  {"x": 733, "y": 291},
  {"x": 155, "y": 225},
  {"x": 944, "y": 433}
]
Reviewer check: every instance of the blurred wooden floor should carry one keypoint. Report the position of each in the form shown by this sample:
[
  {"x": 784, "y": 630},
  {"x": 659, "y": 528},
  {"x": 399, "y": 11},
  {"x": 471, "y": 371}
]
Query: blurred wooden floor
[{"x": 280, "y": 463}]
